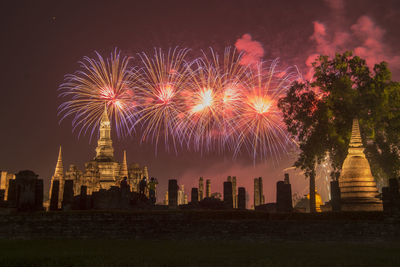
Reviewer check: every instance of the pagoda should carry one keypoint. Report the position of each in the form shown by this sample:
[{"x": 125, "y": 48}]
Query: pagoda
[{"x": 357, "y": 185}]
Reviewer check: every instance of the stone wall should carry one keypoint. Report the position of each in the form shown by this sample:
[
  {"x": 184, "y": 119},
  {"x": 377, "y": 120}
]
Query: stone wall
[{"x": 248, "y": 225}]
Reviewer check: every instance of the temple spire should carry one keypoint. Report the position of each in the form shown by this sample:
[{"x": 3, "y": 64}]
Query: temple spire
[
  {"x": 59, "y": 171},
  {"x": 124, "y": 167},
  {"x": 356, "y": 145},
  {"x": 104, "y": 116},
  {"x": 104, "y": 149},
  {"x": 355, "y": 140}
]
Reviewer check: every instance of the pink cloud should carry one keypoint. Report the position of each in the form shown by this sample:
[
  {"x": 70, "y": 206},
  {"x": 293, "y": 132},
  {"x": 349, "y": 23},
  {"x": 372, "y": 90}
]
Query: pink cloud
[
  {"x": 253, "y": 50},
  {"x": 372, "y": 47},
  {"x": 364, "y": 37}
]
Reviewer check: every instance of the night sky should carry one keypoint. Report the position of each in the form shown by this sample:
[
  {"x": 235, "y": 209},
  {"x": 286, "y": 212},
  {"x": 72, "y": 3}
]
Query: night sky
[{"x": 43, "y": 40}]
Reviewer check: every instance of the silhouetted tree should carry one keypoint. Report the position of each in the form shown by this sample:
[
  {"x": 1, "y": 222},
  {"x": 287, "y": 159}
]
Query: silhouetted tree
[{"x": 319, "y": 115}]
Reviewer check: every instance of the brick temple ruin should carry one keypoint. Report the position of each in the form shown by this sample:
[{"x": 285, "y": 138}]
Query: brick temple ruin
[
  {"x": 106, "y": 184},
  {"x": 101, "y": 173}
]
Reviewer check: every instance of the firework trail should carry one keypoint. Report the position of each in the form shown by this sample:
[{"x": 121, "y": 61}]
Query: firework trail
[
  {"x": 259, "y": 126},
  {"x": 99, "y": 82},
  {"x": 161, "y": 80},
  {"x": 213, "y": 99},
  {"x": 208, "y": 104}
]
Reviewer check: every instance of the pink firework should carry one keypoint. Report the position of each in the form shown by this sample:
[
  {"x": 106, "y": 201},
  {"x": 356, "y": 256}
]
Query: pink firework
[{"x": 99, "y": 82}]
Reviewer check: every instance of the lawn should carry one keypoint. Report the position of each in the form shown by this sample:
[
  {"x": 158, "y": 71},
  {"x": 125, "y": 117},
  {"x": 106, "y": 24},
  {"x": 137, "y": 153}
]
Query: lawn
[{"x": 195, "y": 253}]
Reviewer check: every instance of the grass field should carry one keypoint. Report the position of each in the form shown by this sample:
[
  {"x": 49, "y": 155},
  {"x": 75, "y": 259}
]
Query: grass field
[{"x": 194, "y": 253}]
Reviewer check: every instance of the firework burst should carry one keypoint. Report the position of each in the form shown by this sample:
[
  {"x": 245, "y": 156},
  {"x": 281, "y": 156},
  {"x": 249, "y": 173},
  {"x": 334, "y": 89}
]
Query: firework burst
[
  {"x": 259, "y": 126},
  {"x": 212, "y": 100},
  {"x": 210, "y": 104},
  {"x": 160, "y": 83},
  {"x": 99, "y": 82}
]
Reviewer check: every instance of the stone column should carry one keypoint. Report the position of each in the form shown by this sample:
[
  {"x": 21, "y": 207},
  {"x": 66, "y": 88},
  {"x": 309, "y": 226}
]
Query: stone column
[
  {"x": 394, "y": 186},
  {"x": 194, "y": 195},
  {"x": 241, "y": 198},
  {"x": 54, "y": 195},
  {"x": 208, "y": 188},
  {"x": 313, "y": 207},
  {"x": 256, "y": 192},
  {"x": 201, "y": 189},
  {"x": 166, "y": 198},
  {"x": 68, "y": 195},
  {"x": 39, "y": 194},
  {"x": 335, "y": 195},
  {"x": 228, "y": 199},
  {"x": 172, "y": 193},
  {"x": 25, "y": 190},
  {"x": 234, "y": 193},
  {"x": 284, "y": 195},
  {"x": 391, "y": 196},
  {"x": 12, "y": 193},
  {"x": 386, "y": 201},
  {"x": 260, "y": 184},
  {"x": 83, "y": 198}
]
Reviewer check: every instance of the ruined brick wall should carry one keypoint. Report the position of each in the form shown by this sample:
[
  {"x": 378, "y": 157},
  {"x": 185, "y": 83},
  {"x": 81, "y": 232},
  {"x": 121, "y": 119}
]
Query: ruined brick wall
[{"x": 249, "y": 225}]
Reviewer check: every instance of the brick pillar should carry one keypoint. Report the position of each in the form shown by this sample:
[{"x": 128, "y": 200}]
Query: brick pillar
[
  {"x": 260, "y": 185},
  {"x": 39, "y": 194},
  {"x": 194, "y": 196},
  {"x": 234, "y": 193},
  {"x": 335, "y": 195},
  {"x": 256, "y": 192},
  {"x": 68, "y": 195},
  {"x": 283, "y": 197},
  {"x": 172, "y": 193},
  {"x": 201, "y": 189},
  {"x": 241, "y": 198},
  {"x": 228, "y": 200},
  {"x": 208, "y": 188},
  {"x": 54, "y": 195}
]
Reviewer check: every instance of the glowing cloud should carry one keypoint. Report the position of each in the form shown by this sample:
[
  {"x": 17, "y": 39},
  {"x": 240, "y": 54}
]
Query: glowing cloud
[
  {"x": 253, "y": 50},
  {"x": 364, "y": 37}
]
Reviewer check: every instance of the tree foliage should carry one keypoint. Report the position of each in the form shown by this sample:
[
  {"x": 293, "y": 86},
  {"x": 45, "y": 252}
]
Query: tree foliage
[{"x": 319, "y": 114}]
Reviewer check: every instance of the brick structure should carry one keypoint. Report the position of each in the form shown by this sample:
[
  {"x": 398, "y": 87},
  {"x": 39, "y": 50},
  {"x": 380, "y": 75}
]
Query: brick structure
[
  {"x": 258, "y": 192},
  {"x": 241, "y": 198},
  {"x": 103, "y": 171},
  {"x": 172, "y": 193},
  {"x": 68, "y": 195},
  {"x": 201, "y": 189},
  {"x": 194, "y": 196},
  {"x": 358, "y": 191},
  {"x": 228, "y": 199},
  {"x": 208, "y": 188},
  {"x": 284, "y": 195}
]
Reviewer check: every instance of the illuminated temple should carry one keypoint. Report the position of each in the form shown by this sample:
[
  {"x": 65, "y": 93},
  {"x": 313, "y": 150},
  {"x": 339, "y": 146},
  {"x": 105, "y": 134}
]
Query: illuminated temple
[
  {"x": 357, "y": 185},
  {"x": 103, "y": 171}
]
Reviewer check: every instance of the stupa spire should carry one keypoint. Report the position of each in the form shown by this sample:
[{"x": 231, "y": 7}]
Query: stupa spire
[
  {"x": 355, "y": 140},
  {"x": 104, "y": 116},
  {"x": 124, "y": 167},
  {"x": 59, "y": 171},
  {"x": 104, "y": 149},
  {"x": 357, "y": 185}
]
